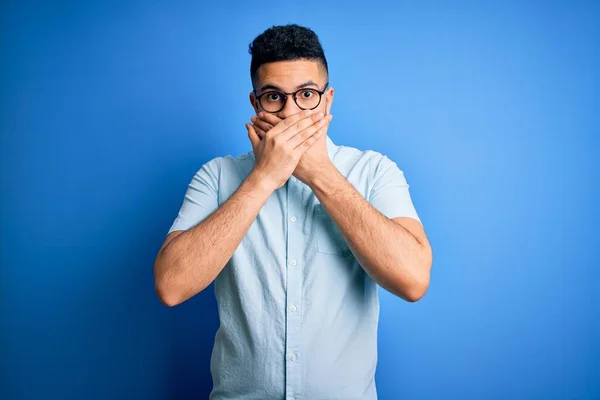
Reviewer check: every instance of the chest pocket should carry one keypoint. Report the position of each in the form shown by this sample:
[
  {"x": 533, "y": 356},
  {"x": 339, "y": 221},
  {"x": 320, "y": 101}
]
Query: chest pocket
[{"x": 329, "y": 237}]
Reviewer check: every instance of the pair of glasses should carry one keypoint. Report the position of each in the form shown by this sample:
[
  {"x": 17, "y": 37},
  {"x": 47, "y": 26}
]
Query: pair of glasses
[{"x": 274, "y": 101}]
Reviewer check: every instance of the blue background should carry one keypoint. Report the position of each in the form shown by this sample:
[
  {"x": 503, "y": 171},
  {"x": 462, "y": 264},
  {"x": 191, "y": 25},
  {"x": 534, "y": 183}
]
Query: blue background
[{"x": 490, "y": 108}]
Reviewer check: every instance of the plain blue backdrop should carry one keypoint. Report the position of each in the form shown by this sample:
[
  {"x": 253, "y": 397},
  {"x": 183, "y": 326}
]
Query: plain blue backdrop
[{"x": 490, "y": 108}]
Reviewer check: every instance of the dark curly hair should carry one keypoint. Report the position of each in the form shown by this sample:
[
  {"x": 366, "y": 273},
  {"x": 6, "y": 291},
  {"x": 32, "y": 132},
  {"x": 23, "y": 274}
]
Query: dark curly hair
[{"x": 285, "y": 43}]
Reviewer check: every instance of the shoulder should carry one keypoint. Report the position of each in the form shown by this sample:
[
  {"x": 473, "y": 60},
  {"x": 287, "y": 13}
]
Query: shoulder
[
  {"x": 228, "y": 171},
  {"x": 228, "y": 162},
  {"x": 373, "y": 160}
]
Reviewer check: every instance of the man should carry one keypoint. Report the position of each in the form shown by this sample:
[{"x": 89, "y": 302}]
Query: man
[{"x": 296, "y": 235}]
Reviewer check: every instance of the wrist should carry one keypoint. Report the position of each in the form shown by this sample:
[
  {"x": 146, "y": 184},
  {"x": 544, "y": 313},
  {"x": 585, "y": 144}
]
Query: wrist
[
  {"x": 260, "y": 182},
  {"x": 324, "y": 178},
  {"x": 323, "y": 174}
]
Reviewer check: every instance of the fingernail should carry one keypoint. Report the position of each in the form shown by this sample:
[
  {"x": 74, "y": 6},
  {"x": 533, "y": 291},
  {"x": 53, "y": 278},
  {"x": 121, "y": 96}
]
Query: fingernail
[
  {"x": 320, "y": 114},
  {"x": 261, "y": 114},
  {"x": 253, "y": 119}
]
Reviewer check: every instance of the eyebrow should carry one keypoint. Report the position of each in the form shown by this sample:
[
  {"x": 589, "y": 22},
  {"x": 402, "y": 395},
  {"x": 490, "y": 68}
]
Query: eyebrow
[{"x": 270, "y": 86}]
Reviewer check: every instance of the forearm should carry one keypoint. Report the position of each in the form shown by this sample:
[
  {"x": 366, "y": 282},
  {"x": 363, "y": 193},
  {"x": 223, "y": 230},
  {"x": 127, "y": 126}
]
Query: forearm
[
  {"x": 389, "y": 253},
  {"x": 191, "y": 261}
]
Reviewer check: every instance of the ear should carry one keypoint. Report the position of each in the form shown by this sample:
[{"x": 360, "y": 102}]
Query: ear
[
  {"x": 254, "y": 103},
  {"x": 329, "y": 98}
]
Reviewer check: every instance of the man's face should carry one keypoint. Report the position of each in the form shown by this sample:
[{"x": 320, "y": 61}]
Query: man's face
[{"x": 288, "y": 77}]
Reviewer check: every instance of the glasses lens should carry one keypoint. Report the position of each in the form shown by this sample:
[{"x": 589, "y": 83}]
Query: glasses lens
[
  {"x": 272, "y": 101},
  {"x": 308, "y": 98}
]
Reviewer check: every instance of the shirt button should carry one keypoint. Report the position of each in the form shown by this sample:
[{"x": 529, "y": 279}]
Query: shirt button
[
  {"x": 293, "y": 219},
  {"x": 293, "y": 308},
  {"x": 292, "y": 357},
  {"x": 293, "y": 262}
]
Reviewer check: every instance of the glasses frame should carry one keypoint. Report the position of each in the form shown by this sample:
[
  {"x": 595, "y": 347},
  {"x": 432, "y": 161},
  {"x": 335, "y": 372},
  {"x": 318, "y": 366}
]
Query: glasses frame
[{"x": 286, "y": 95}]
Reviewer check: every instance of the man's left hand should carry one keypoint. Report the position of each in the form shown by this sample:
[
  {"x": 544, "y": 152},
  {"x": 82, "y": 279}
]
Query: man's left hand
[{"x": 314, "y": 161}]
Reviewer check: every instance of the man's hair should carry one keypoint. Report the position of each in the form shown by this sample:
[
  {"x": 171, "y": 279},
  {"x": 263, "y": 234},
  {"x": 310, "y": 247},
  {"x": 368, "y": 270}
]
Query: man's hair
[{"x": 285, "y": 43}]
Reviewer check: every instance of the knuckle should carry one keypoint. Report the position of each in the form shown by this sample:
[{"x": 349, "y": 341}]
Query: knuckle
[{"x": 278, "y": 141}]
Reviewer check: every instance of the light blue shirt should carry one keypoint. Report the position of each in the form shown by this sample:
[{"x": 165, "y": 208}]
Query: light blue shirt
[{"x": 298, "y": 314}]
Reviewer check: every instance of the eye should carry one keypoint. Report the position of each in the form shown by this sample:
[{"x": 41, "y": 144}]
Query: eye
[
  {"x": 307, "y": 94},
  {"x": 273, "y": 96}
]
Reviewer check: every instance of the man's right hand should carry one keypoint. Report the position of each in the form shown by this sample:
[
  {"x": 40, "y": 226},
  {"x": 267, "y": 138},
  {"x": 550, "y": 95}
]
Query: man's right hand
[{"x": 278, "y": 153}]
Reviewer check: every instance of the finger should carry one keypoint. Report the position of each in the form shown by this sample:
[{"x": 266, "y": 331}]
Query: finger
[
  {"x": 261, "y": 134},
  {"x": 301, "y": 125},
  {"x": 315, "y": 129},
  {"x": 269, "y": 118},
  {"x": 308, "y": 143},
  {"x": 262, "y": 124},
  {"x": 254, "y": 139},
  {"x": 291, "y": 121}
]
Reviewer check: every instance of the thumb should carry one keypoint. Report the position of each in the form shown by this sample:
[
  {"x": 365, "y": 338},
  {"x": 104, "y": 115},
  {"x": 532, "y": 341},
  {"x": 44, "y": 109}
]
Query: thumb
[{"x": 254, "y": 139}]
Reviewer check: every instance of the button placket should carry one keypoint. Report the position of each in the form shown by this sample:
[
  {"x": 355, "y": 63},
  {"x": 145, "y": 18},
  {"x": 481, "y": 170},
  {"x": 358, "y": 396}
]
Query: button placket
[{"x": 295, "y": 250}]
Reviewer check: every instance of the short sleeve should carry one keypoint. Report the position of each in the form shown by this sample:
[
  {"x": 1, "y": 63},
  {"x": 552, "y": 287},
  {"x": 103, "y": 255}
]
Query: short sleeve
[
  {"x": 390, "y": 194},
  {"x": 201, "y": 197}
]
